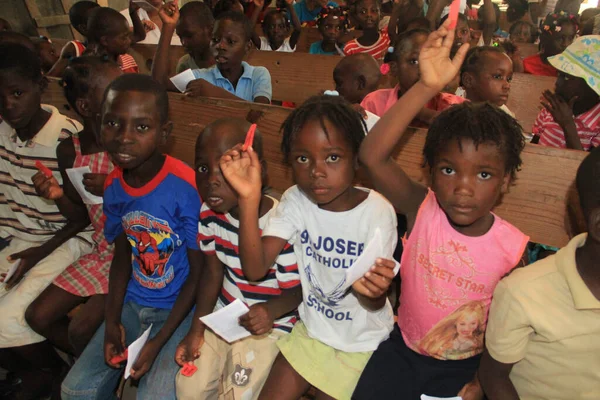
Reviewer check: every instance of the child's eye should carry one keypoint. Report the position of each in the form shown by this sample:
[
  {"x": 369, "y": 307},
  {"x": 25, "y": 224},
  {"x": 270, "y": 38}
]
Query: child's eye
[
  {"x": 413, "y": 61},
  {"x": 142, "y": 128},
  {"x": 509, "y": 79},
  {"x": 496, "y": 76},
  {"x": 112, "y": 124},
  {"x": 447, "y": 171},
  {"x": 231, "y": 42},
  {"x": 302, "y": 159},
  {"x": 17, "y": 93},
  {"x": 202, "y": 169},
  {"x": 484, "y": 175},
  {"x": 332, "y": 158}
]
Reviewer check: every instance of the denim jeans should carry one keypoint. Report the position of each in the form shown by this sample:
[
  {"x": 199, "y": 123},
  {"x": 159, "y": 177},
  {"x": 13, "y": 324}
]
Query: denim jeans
[{"x": 91, "y": 378}]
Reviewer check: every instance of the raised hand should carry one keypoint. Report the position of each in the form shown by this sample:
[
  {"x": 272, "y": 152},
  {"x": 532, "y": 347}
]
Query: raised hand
[
  {"x": 242, "y": 170},
  {"x": 169, "y": 13},
  {"x": 188, "y": 349},
  {"x": 376, "y": 282},
  {"x": 561, "y": 111},
  {"x": 437, "y": 69}
]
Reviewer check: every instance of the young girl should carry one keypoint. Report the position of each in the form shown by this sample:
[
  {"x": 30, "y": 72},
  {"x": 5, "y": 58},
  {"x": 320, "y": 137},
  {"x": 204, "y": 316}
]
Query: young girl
[
  {"x": 522, "y": 32},
  {"x": 373, "y": 41},
  {"x": 455, "y": 249},
  {"x": 47, "y": 53},
  {"x": 276, "y": 27},
  {"x": 86, "y": 280},
  {"x": 557, "y": 33},
  {"x": 332, "y": 23},
  {"x": 330, "y": 222}
]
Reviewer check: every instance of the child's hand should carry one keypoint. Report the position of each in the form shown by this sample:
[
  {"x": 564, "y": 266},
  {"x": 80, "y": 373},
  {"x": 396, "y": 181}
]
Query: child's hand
[
  {"x": 45, "y": 187},
  {"x": 27, "y": 260},
  {"x": 169, "y": 13},
  {"x": 145, "y": 359},
  {"x": 94, "y": 183},
  {"x": 471, "y": 391},
  {"x": 188, "y": 349},
  {"x": 114, "y": 342},
  {"x": 196, "y": 88},
  {"x": 242, "y": 170},
  {"x": 561, "y": 111},
  {"x": 376, "y": 282},
  {"x": 437, "y": 69},
  {"x": 258, "y": 320}
]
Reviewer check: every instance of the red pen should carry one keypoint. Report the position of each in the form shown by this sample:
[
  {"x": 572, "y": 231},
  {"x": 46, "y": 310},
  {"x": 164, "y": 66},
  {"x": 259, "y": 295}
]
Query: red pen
[
  {"x": 453, "y": 14},
  {"x": 249, "y": 137},
  {"x": 43, "y": 169}
]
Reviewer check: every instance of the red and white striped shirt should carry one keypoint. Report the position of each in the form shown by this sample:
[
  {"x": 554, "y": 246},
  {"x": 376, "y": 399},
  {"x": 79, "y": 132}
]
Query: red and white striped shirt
[
  {"x": 551, "y": 134},
  {"x": 128, "y": 64},
  {"x": 377, "y": 49}
]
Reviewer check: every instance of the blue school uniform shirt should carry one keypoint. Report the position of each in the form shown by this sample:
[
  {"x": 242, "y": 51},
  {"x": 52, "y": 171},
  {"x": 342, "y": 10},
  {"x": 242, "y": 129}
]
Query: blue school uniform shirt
[
  {"x": 316, "y": 48},
  {"x": 254, "y": 82},
  {"x": 160, "y": 220},
  {"x": 305, "y": 15}
]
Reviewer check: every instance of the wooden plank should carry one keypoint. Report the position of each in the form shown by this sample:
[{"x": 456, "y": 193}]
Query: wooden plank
[
  {"x": 524, "y": 98},
  {"x": 53, "y": 20},
  {"x": 536, "y": 203},
  {"x": 66, "y": 4},
  {"x": 34, "y": 13}
]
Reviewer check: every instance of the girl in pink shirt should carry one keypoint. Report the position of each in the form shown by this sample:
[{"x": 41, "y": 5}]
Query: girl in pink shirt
[{"x": 455, "y": 249}]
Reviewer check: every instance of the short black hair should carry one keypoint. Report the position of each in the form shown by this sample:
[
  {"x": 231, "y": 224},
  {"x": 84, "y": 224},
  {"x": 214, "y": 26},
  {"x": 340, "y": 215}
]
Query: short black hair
[
  {"x": 401, "y": 43},
  {"x": 102, "y": 22},
  {"x": 238, "y": 18},
  {"x": 22, "y": 60},
  {"x": 200, "y": 11},
  {"x": 334, "y": 109},
  {"x": 224, "y": 6},
  {"x": 272, "y": 13},
  {"x": 17, "y": 38},
  {"x": 79, "y": 75},
  {"x": 78, "y": 13},
  {"x": 475, "y": 55},
  {"x": 480, "y": 123},
  {"x": 144, "y": 84},
  {"x": 241, "y": 126},
  {"x": 588, "y": 182}
]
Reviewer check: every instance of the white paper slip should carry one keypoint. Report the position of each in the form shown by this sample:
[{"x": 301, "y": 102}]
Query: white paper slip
[
  {"x": 182, "y": 79},
  {"x": 371, "y": 120},
  {"x": 366, "y": 260},
  {"x": 133, "y": 351},
  {"x": 11, "y": 270},
  {"x": 76, "y": 177},
  {"x": 425, "y": 397},
  {"x": 224, "y": 322}
]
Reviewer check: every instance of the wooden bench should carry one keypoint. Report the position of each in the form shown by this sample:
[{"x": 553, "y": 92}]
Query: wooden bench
[
  {"x": 524, "y": 98},
  {"x": 536, "y": 203}
]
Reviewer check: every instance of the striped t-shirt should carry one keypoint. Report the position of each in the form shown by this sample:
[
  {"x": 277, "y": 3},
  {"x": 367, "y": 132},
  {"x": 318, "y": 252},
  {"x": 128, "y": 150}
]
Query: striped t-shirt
[
  {"x": 24, "y": 214},
  {"x": 218, "y": 234},
  {"x": 377, "y": 49},
  {"x": 128, "y": 64},
  {"x": 551, "y": 134}
]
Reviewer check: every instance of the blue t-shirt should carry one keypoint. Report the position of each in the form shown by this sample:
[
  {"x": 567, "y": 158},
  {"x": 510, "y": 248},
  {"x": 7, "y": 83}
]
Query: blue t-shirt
[
  {"x": 316, "y": 48},
  {"x": 161, "y": 223},
  {"x": 254, "y": 82},
  {"x": 305, "y": 15}
]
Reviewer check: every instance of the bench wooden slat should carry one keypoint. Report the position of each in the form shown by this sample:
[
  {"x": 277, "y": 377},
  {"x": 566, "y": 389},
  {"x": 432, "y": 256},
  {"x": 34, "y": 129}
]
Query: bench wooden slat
[{"x": 524, "y": 98}]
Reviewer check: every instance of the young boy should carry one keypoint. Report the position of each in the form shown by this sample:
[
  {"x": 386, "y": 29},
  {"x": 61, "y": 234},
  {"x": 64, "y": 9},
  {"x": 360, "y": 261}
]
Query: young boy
[
  {"x": 356, "y": 76},
  {"x": 151, "y": 207},
  {"x": 272, "y": 300},
  {"x": 544, "y": 324},
  {"x": 194, "y": 28},
  {"x": 571, "y": 115}
]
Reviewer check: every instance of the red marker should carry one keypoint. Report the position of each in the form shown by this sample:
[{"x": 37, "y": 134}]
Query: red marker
[
  {"x": 453, "y": 14},
  {"x": 43, "y": 169},
  {"x": 119, "y": 358},
  {"x": 189, "y": 370},
  {"x": 249, "y": 137}
]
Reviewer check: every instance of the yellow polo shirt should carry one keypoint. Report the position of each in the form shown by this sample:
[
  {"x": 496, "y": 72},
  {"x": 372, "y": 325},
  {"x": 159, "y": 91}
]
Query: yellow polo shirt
[{"x": 546, "y": 321}]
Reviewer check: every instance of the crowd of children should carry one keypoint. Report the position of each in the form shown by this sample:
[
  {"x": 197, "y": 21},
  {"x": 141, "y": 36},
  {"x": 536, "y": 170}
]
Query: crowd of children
[{"x": 143, "y": 242}]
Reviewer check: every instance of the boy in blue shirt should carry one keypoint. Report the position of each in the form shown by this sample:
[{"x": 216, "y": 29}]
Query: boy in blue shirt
[
  {"x": 152, "y": 209},
  {"x": 308, "y": 10}
]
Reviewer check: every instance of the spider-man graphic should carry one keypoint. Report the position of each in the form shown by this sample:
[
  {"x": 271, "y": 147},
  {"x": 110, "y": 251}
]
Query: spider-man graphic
[{"x": 150, "y": 254}]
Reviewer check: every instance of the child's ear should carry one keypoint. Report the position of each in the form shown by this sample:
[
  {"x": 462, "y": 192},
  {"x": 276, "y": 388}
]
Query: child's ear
[
  {"x": 362, "y": 82},
  {"x": 505, "y": 183},
  {"x": 249, "y": 45},
  {"x": 166, "y": 131},
  {"x": 82, "y": 107},
  {"x": 466, "y": 80}
]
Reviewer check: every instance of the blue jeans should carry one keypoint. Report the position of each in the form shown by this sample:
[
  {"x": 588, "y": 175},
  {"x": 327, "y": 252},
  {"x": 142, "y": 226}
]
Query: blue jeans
[{"x": 90, "y": 377}]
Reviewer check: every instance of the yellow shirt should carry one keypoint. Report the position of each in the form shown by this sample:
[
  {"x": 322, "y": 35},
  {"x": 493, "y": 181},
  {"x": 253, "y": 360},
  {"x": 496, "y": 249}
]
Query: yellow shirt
[{"x": 546, "y": 321}]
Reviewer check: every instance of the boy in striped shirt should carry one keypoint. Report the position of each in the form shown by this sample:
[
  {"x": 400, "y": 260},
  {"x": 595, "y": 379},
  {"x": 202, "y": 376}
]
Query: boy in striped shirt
[{"x": 241, "y": 368}]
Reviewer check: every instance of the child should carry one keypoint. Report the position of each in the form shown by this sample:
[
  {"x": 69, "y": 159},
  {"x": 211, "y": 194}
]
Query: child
[
  {"x": 374, "y": 42},
  {"x": 225, "y": 6},
  {"x": 308, "y": 10},
  {"x": 195, "y": 28},
  {"x": 571, "y": 115},
  {"x": 513, "y": 52},
  {"x": 231, "y": 77},
  {"x": 455, "y": 248},
  {"x": 356, "y": 76},
  {"x": 522, "y": 32},
  {"x": 144, "y": 16},
  {"x": 332, "y": 23},
  {"x": 329, "y": 221},
  {"x": 41, "y": 235},
  {"x": 405, "y": 65},
  {"x": 272, "y": 301},
  {"x": 549, "y": 311},
  {"x": 276, "y": 27},
  {"x": 156, "y": 263},
  {"x": 85, "y": 281},
  {"x": 462, "y": 31},
  {"x": 109, "y": 35},
  {"x": 486, "y": 74},
  {"x": 557, "y": 33},
  {"x": 46, "y": 52}
]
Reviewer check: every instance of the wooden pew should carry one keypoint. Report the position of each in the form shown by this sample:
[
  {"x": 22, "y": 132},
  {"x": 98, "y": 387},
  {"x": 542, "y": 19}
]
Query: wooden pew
[
  {"x": 524, "y": 98},
  {"x": 536, "y": 203}
]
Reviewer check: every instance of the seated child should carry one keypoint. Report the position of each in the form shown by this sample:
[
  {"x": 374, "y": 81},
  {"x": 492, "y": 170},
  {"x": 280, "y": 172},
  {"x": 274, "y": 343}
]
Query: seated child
[
  {"x": 156, "y": 264},
  {"x": 276, "y": 28},
  {"x": 557, "y": 33},
  {"x": 144, "y": 22},
  {"x": 225, "y": 6},
  {"x": 486, "y": 74},
  {"x": 46, "y": 52},
  {"x": 329, "y": 221},
  {"x": 462, "y": 32},
  {"x": 571, "y": 115},
  {"x": 42, "y": 236},
  {"x": 514, "y": 53},
  {"x": 308, "y": 10},
  {"x": 195, "y": 28},
  {"x": 455, "y": 249},
  {"x": 373, "y": 41},
  {"x": 332, "y": 23},
  {"x": 272, "y": 301},
  {"x": 550, "y": 311},
  {"x": 522, "y": 32},
  {"x": 405, "y": 66},
  {"x": 86, "y": 280}
]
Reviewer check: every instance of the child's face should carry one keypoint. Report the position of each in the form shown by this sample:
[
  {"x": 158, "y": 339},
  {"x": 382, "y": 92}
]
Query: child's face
[
  {"x": 462, "y": 34},
  {"x": 568, "y": 86},
  {"x": 48, "y": 55},
  {"x": 131, "y": 129},
  {"x": 407, "y": 63},
  {"x": 468, "y": 181},
  {"x": 93, "y": 100},
  {"x": 522, "y": 34},
  {"x": 229, "y": 43},
  {"x": 119, "y": 41},
  {"x": 194, "y": 38},
  {"x": 368, "y": 14},
  {"x": 323, "y": 167},
  {"x": 276, "y": 28},
  {"x": 466, "y": 325},
  {"x": 492, "y": 82},
  {"x": 330, "y": 28},
  {"x": 556, "y": 43},
  {"x": 19, "y": 99}
]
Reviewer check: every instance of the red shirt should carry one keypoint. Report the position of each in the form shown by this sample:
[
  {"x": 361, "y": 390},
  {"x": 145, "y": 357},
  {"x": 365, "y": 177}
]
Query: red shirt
[
  {"x": 551, "y": 134},
  {"x": 535, "y": 66}
]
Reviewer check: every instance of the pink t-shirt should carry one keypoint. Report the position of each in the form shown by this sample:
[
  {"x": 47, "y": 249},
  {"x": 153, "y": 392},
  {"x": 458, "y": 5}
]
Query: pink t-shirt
[{"x": 448, "y": 280}]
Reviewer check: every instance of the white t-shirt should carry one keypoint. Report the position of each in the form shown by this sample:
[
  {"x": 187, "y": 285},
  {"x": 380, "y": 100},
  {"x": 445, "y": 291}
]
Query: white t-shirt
[
  {"x": 152, "y": 36},
  {"x": 285, "y": 46},
  {"x": 326, "y": 244}
]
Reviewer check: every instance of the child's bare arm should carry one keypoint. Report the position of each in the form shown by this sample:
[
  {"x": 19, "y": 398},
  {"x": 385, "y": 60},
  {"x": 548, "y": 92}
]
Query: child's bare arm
[
  {"x": 495, "y": 380},
  {"x": 258, "y": 6},
  {"x": 434, "y": 12},
  {"x": 169, "y": 15},
  {"x": 296, "y": 24},
  {"x": 489, "y": 22},
  {"x": 67, "y": 52},
  {"x": 139, "y": 33},
  {"x": 260, "y": 318},
  {"x": 377, "y": 149}
]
